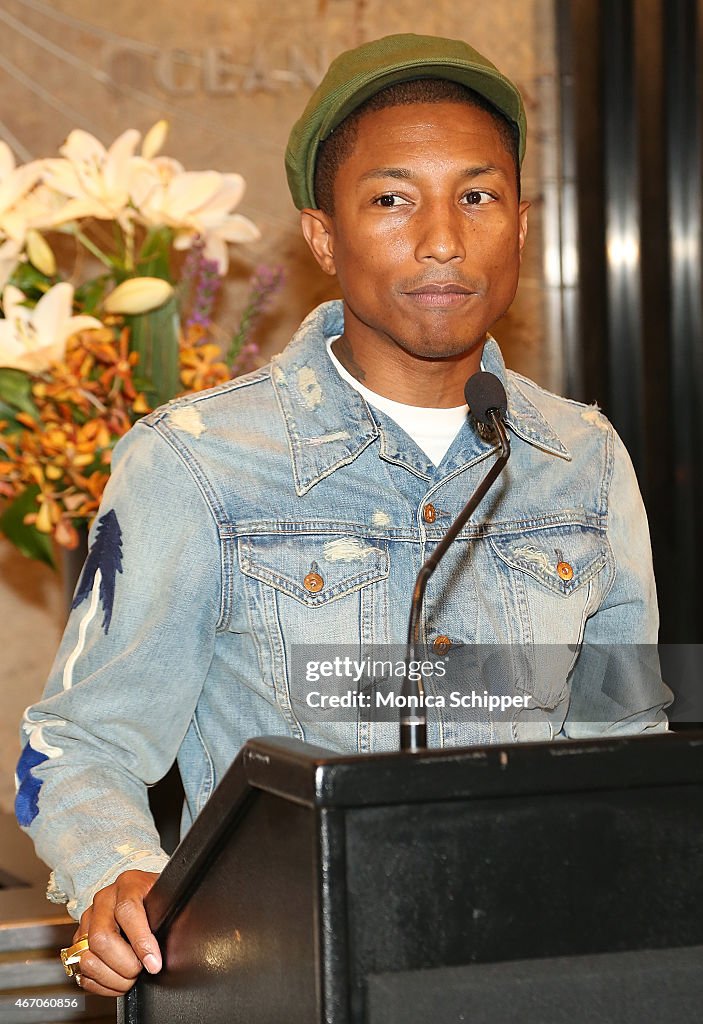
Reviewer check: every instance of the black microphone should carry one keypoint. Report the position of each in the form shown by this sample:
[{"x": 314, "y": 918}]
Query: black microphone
[
  {"x": 485, "y": 394},
  {"x": 486, "y": 399}
]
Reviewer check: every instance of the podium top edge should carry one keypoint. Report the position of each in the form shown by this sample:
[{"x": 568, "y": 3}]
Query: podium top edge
[{"x": 322, "y": 778}]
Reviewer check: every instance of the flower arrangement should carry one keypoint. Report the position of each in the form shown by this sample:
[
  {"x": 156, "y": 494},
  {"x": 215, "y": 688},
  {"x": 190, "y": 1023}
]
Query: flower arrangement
[{"x": 86, "y": 351}]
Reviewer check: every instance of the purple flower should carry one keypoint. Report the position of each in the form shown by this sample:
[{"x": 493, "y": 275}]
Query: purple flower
[
  {"x": 265, "y": 282},
  {"x": 201, "y": 276}
]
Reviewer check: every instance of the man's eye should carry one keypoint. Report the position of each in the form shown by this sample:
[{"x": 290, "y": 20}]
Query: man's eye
[
  {"x": 477, "y": 198},
  {"x": 389, "y": 200}
]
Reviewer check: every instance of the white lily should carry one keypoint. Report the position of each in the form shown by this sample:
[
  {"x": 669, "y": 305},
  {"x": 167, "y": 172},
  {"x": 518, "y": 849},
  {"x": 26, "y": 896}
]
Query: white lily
[
  {"x": 15, "y": 184},
  {"x": 163, "y": 194},
  {"x": 216, "y": 241},
  {"x": 96, "y": 180},
  {"x": 37, "y": 209},
  {"x": 198, "y": 205},
  {"x": 34, "y": 212},
  {"x": 148, "y": 181},
  {"x": 15, "y": 181},
  {"x": 33, "y": 339},
  {"x": 10, "y": 253}
]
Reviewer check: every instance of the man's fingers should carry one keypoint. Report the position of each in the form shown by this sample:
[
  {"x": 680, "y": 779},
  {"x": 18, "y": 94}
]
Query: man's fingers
[
  {"x": 83, "y": 925},
  {"x": 119, "y": 937},
  {"x": 94, "y": 970},
  {"x": 121, "y": 905},
  {"x": 132, "y": 919},
  {"x": 105, "y": 941},
  {"x": 88, "y": 985}
]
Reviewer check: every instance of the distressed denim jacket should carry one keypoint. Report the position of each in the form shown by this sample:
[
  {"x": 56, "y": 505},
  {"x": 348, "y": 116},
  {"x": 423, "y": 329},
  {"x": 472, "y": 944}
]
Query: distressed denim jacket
[{"x": 280, "y": 510}]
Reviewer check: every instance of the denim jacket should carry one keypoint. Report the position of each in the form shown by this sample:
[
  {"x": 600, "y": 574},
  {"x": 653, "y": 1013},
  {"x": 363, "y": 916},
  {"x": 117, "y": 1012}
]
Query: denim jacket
[{"x": 280, "y": 509}]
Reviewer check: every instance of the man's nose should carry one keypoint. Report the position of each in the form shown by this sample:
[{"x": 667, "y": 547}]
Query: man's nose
[{"x": 441, "y": 237}]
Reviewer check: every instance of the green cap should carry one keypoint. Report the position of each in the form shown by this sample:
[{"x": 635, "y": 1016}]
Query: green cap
[{"x": 358, "y": 74}]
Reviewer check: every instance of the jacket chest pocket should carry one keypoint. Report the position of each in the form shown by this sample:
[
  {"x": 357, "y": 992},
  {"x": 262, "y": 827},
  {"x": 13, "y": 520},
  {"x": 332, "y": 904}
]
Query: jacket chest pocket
[
  {"x": 319, "y": 584},
  {"x": 561, "y": 560},
  {"x": 553, "y": 578}
]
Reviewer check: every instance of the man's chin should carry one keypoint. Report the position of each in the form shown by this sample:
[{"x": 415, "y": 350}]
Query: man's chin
[{"x": 433, "y": 348}]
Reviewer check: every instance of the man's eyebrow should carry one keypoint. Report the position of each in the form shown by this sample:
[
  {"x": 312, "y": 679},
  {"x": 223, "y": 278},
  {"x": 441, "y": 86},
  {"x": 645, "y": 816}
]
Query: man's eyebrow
[
  {"x": 388, "y": 172},
  {"x": 405, "y": 174},
  {"x": 479, "y": 169}
]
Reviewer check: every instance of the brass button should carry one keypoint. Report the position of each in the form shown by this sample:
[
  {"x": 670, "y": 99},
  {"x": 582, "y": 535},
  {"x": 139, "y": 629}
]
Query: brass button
[
  {"x": 313, "y": 582},
  {"x": 565, "y": 571},
  {"x": 429, "y": 513},
  {"x": 441, "y": 644}
]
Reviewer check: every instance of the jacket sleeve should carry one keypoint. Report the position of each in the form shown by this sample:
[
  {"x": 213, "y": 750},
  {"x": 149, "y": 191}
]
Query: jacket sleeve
[
  {"x": 617, "y": 687},
  {"x": 127, "y": 676}
]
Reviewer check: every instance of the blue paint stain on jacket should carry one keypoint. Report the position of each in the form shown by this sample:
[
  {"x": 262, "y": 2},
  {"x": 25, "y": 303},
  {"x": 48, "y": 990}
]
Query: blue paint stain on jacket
[
  {"x": 106, "y": 555},
  {"x": 27, "y": 799}
]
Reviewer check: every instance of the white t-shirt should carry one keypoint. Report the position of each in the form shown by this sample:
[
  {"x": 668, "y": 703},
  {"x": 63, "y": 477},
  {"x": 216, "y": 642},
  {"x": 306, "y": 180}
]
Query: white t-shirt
[{"x": 432, "y": 430}]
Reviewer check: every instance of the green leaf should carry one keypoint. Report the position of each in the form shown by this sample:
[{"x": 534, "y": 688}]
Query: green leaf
[
  {"x": 16, "y": 390},
  {"x": 27, "y": 539},
  {"x": 89, "y": 296},
  {"x": 153, "y": 259},
  {"x": 7, "y": 413},
  {"x": 31, "y": 281},
  {"x": 154, "y": 337}
]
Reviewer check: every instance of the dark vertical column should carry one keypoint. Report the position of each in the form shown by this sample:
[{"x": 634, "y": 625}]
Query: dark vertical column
[
  {"x": 654, "y": 220},
  {"x": 567, "y": 241},
  {"x": 682, "y": 41},
  {"x": 622, "y": 226},
  {"x": 578, "y": 30},
  {"x": 630, "y": 74}
]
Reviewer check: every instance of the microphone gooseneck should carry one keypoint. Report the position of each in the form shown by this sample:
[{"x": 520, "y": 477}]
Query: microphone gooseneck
[{"x": 486, "y": 399}]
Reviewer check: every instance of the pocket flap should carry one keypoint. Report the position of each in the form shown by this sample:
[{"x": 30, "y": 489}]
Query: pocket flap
[
  {"x": 313, "y": 569},
  {"x": 562, "y": 558}
]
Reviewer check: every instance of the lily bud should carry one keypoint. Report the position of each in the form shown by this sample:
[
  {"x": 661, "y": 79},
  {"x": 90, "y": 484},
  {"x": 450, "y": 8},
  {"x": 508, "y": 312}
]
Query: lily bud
[
  {"x": 40, "y": 253},
  {"x": 154, "y": 139},
  {"x": 138, "y": 295}
]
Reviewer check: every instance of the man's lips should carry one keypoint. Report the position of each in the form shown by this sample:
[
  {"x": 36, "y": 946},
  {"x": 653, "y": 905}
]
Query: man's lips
[
  {"x": 434, "y": 289},
  {"x": 440, "y": 296}
]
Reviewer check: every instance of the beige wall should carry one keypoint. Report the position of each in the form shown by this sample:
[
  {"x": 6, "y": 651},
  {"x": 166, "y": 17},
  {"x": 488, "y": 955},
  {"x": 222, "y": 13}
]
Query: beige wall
[{"x": 231, "y": 78}]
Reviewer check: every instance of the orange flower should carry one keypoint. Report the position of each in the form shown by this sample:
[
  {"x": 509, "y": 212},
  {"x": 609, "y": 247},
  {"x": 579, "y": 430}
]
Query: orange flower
[
  {"x": 66, "y": 534},
  {"x": 85, "y": 404},
  {"x": 202, "y": 367}
]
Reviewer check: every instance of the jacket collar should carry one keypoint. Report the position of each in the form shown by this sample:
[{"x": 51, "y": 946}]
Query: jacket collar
[
  {"x": 524, "y": 418},
  {"x": 329, "y": 424}
]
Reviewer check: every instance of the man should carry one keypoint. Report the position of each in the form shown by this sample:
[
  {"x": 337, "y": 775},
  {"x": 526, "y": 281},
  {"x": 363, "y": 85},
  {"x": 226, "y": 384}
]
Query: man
[{"x": 295, "y": 506}]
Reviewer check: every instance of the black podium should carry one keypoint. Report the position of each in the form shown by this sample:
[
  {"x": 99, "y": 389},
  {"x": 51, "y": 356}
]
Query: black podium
[{"x": 542, "y": 883}]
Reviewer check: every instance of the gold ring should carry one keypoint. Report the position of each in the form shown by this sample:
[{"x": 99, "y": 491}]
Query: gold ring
[
  {"x": 71, "y": 956},
  {"x": 77, "y": 978}
]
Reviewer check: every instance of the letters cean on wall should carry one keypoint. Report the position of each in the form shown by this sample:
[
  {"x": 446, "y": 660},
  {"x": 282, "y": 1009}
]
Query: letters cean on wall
[{"x": 214, "y": 70}]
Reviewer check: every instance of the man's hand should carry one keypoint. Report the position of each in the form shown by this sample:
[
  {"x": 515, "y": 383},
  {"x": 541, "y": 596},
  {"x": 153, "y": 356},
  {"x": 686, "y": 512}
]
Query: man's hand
[{"x": 113, "y": 963}]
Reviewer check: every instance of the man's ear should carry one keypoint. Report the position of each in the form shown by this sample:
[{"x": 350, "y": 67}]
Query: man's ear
[{"x": 318, "y": 232}]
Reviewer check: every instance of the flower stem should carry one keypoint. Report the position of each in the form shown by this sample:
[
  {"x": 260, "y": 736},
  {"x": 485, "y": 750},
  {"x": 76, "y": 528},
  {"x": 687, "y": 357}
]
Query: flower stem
[
  {"x": 92, "y": 248},
  {"x": 129, "y": 246},
  {"x": 264, "y": 283}
]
